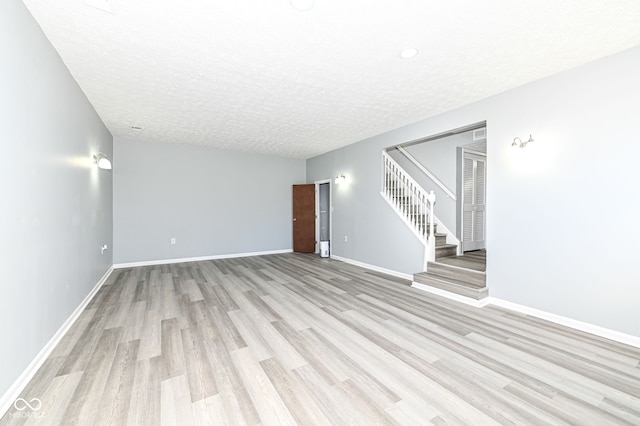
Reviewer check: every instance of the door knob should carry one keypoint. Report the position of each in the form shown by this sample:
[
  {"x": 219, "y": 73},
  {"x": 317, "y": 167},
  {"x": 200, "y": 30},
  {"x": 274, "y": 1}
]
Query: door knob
[{"x": 294, "y": 219}]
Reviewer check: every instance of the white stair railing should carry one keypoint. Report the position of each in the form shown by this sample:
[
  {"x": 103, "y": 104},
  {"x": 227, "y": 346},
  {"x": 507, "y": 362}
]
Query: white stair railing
[
  {"x": 412, "y": 203},
  {"x": 424, "y": 170}
]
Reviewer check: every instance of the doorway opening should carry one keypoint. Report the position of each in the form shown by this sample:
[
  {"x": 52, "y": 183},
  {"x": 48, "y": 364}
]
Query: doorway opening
[
  {"x": 451, "y": 168},
  {"x": 323, "y": 217},
  {"x": 453, "y": 165}
]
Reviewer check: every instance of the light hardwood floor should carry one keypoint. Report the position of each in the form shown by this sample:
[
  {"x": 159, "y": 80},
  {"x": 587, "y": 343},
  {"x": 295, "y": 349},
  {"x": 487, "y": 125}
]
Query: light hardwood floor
[{"x": 292, "y": 338}]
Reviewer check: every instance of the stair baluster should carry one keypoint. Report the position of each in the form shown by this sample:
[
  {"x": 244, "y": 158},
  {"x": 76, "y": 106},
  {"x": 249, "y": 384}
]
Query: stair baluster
[{"x": 411, "y": 202}]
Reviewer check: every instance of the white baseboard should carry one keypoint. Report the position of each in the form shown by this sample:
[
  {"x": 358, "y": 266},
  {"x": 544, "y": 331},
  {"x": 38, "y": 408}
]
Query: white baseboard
[
  {"x": 198, "y": 259},
  {"x": 558, "y": 319},
  {"x": 372, "y": 267},
  {"x": 569, "y": 322},
  {"x": 446, "y": 294},
  {"x": 18, "y": 386}
]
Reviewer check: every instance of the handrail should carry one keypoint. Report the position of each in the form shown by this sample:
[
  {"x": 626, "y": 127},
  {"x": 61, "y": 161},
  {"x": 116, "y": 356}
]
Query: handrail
[
  {"x": 427, "y": 172},
  {"x": 411, "y": 201},
  {"x": 389, "y": 160}
]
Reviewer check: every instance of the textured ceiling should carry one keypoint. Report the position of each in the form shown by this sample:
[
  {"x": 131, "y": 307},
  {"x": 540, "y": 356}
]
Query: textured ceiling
[{"x": 261, "y": 76}]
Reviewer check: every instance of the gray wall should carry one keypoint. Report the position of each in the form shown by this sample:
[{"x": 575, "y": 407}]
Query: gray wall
[
  {"x": 214, "y": 202},
  {"x": 374, "y": 233},
  {"x": 56, "y": 208},
  {"x": 561, "y": 213}
]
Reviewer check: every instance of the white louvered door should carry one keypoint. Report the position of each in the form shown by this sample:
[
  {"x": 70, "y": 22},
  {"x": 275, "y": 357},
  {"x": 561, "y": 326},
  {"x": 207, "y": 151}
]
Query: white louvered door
[{"x": 473, "y": 201}]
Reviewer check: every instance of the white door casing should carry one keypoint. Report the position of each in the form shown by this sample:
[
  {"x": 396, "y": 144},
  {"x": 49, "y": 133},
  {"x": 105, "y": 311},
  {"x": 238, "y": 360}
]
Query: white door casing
[
  {"x": 328, "y": 212},
  {"x": 474, "y": 191}
]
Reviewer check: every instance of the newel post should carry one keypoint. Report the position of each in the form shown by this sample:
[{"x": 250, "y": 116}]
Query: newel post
[{"x": 431, "y": 237}]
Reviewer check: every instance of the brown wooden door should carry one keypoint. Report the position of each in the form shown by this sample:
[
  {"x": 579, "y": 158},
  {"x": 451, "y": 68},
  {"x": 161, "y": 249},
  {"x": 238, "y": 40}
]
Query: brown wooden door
[{"x": 304, "y": 218}]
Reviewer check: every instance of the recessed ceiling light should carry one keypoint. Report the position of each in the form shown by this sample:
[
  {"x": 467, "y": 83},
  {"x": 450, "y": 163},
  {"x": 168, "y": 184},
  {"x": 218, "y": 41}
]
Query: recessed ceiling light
[
  {"x": 302, "y": 5},
  {"x": 408, "y": 53}
]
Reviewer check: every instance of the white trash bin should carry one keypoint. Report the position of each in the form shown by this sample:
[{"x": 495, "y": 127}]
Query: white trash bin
[{"x": 324, "y": 248}]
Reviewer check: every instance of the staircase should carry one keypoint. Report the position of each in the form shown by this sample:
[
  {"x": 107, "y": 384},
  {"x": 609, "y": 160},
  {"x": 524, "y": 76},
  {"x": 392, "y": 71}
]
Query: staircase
[
  {"x": 412, "y": 203},
  {"x": 463, "y": 275}
]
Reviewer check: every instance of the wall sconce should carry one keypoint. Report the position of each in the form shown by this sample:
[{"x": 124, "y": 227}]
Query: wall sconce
[
  {"x": 341, "y": 178},
  {"x": 102, "y": 161},
  {"x": 518, "y": 142}
]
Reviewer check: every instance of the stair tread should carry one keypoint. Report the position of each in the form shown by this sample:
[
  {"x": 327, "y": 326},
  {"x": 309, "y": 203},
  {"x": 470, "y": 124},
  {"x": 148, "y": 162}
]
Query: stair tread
[
  {"x": 447, "y": 280},
  {"x": 462, "y": 262},
  {"x": 456, "y": 267},
  {"x": 446, "y": 245},
  {"x": 450, "y": 286}
]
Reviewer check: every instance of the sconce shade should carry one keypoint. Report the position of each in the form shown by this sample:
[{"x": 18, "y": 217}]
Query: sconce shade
[
  {"x": 341, "y": 178},
  {"x": 102, "y": 161},
  {"x": 518, "y": 142}
]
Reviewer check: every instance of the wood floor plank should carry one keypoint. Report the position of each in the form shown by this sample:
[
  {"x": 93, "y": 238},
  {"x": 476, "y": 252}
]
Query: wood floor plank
[
  {"x": 36, "y": 388},
  {"x": 60, "y": 392},
  {"x": 266, "y": 399},
  {"x": 431, "y": 377},
  {"x": 141, "y": 292},
  {"x": 202, "y": 383},
  {"x": 625, "y": 412},
  {"x": 491, "y": 400},
  {"x": 545, "y": 332},
  {"x": 363, "y": 351},
  {"x": 265, "y": 310},
  {"x": 146, "y": 393},
  {"x": 150, "y": 336},
  {"x": 190, "y": 287},
  {"x": 299, "y": 403},
  {"x": 340, "y": 361},
  {"x": 175, "y": 407},
  {"x": 227, "y": 303},
  {"x": 84, "y": 347},
  {"x": 120, "y": 314},
  {"x": 290, "y": 308},
  {"x": 236, "y": 401},
  {"x": 333, "y": 404},
  {"x": 405, "y": 412},
  {"x": 116, "y": 397},
  {"x": 168, "y": 305},
  {"x": 172, "y": 349},
  {"x": 297, "y": 339},
  {"x": 286, "y": 313},
  {"x": 231, "y": 337},
  {"x": 210, "y": 412},
  {"x": 386, "y": 336},
  {"x": 255, "y": 341},
  {"x": 324, "y": 364},
  {"x": 84, "y": 404},
  {"x": 361, "y": 401},
  {"x": 134, "y": 325},
  {"x": 556, "y": 374},
  {"x": 70, "y": 339}
]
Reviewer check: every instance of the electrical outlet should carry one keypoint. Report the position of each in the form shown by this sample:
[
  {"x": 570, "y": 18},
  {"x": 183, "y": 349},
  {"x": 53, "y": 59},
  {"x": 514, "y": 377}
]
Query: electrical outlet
[
  {"x": 346, "y": 239},
  {"x": 173, "y": 241},
  {"x": 104, "y": 248}
]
